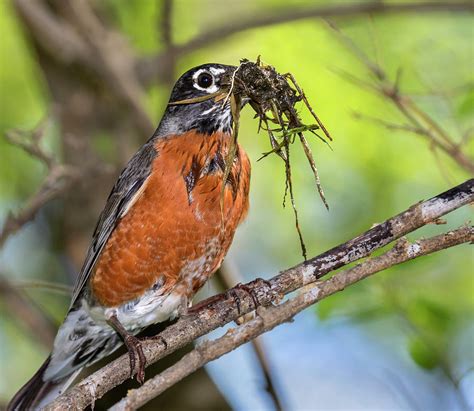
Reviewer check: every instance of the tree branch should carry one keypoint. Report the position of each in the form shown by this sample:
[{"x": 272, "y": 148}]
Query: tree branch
[
  {"x": 60, "y": 178},
  {"x": 220, "y": 310},
  {"x": 268, "y": 318},
  {"x": 150, "y": 69}
]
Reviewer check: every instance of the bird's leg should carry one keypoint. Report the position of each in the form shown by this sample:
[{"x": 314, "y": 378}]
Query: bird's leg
[{"x": 134, "y": 347}]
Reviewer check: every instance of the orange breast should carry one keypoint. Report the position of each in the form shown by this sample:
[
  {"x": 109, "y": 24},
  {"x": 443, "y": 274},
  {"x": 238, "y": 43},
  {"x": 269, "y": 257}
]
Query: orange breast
[{"x": 177, "y": 230}]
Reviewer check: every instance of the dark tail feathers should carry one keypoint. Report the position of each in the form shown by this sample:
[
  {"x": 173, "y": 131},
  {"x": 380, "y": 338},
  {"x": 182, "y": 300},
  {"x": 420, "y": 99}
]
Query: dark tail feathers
[{"x": 36, "y": 389}]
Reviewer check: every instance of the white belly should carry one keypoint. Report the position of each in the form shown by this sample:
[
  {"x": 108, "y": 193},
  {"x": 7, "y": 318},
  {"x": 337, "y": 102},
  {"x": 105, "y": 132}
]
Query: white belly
[{"x": 138, "y": 314}]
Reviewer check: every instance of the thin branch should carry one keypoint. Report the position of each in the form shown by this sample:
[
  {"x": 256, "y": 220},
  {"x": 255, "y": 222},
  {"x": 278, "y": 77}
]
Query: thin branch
[
  {"x": 420, "y": 121},
  {"x": 36, "y": 322},
  {"x": 272, "y": 316},
  {"x": 149, "y": 69},
  {"x": 48, "y": 286},
  {"x": 222, "y": 309},
  {"x": 30, "y": 142},
  {"x": 388, "y": 125},
  {"x": 408, "y": 108},
  {"x": 58, "y": 181}
]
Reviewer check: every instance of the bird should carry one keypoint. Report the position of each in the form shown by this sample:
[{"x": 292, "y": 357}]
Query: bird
[{"x": 165, "y": 229}]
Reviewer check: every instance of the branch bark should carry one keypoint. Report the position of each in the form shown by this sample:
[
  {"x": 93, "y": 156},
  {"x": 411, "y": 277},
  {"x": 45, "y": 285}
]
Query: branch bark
[
  {"x": 270, "y": 317},
  {"x": 223, "y": 309}
]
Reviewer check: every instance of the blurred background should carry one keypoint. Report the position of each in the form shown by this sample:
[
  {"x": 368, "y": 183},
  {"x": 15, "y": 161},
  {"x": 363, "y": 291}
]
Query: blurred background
[{"x": 84, "y": 83}]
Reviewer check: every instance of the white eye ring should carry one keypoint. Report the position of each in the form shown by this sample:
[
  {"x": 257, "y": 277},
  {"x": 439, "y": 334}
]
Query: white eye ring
[{"x": 198, "y": 78}]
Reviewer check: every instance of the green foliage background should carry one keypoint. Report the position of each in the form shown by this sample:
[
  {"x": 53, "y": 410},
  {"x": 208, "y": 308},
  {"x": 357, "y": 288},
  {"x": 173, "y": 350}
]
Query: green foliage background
[{"x": 371, "y": 174}]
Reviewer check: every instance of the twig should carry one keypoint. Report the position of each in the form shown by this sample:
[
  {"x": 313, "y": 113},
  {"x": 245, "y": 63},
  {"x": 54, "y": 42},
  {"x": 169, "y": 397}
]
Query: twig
[
  {"x": 58, "y": 181},
  {"x": 411, "y": 129},
  {"x": 49, "y": 286},
  {"x": 390, "y": 126},
  {"x": 270, "y": 317},
  {"x": 37, "y": 323},
  {"x": 420, "y": 122},
  {"x": 29, "y": 141},
  {"x": 406, "y": 105},
  {"x": 150, "y": 69},
  {"x": 222, "y": 310}
]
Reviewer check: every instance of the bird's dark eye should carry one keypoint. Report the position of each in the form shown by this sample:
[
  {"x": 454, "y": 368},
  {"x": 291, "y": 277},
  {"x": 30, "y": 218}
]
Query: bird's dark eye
[{"x": 205, "y": 80}]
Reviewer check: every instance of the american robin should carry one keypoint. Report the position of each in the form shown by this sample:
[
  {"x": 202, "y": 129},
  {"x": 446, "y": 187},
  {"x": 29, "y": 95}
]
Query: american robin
[{"x": 165, "y": 229}]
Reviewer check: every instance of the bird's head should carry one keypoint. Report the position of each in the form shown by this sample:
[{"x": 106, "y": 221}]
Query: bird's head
[{"x": 200, "y": 101}]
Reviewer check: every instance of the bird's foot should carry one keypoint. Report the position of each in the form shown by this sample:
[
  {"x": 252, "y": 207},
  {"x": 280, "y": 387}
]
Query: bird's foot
[
  {"x": 134, "y": 347},
  {"x": 135, "y": 351}
]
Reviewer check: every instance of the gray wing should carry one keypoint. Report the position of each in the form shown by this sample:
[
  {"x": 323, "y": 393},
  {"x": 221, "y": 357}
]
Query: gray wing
[{"x": 128, "y": 184}]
